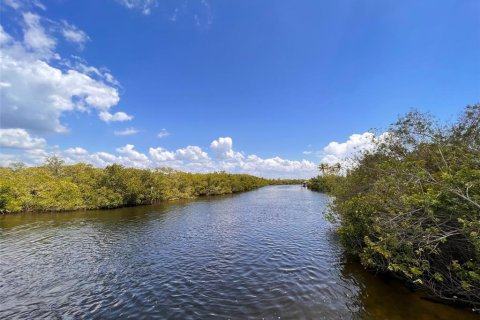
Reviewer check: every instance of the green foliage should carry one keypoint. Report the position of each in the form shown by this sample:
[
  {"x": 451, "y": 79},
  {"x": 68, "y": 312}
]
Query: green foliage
[
  {"x": 4, "y": 196},
  {"x": 54, "y": 164},
  {"x": 285, "y": 181},
  {"x": 58, "y": 187},
  {"x": 329, "y": 179},
  {"x": 412, "y": 205},
  {"x": 323, "y": 183}
]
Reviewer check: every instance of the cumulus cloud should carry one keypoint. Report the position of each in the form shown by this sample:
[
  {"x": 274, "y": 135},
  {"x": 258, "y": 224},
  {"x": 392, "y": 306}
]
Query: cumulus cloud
[
  {"x": 191, "y": 153},
  {"x": 161, "y": 155},
  {"x": 76, "y": 151},
  {"x": 20, "y": 139},
  {"x": 126, "y": 132},
  {"x": 190, "y": 158},
  {"x": 22, "y": 147},
  {"x": 278, "y": 167},
  {"x": 343, "y": 152},
  {"x": 7, "y": 159},
  {"x": 38, "y": 86},
  {"x": 223, "y": 148},
  {"x": 130, "y": 153}
]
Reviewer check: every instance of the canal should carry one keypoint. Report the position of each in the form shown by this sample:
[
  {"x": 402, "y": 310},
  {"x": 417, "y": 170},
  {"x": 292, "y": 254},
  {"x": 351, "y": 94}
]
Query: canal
[{"x": 264, "y": 254}]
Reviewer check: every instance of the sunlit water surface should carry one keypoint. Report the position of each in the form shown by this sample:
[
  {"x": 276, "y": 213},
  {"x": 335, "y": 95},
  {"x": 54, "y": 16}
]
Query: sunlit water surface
[{"x": 267, "y": 254}]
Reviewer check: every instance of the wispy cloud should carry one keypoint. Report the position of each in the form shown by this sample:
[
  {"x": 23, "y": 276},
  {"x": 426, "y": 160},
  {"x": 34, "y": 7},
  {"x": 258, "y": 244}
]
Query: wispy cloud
[
  {"x": 126, "y": 132},
  {"x": 197, "y": 11},
  {"x": 163, "y": 133},
  {"x": 73, "y": 34},
  {"x": 22, "y": 4},
  {"x": 144, "y": 6},
  {"x": 116, "y": 117}
]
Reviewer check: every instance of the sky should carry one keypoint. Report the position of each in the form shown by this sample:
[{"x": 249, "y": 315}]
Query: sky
[{"x": 270, "y": 88}]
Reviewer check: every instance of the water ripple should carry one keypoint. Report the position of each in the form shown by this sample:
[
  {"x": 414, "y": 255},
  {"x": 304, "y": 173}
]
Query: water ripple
[{"x": 266, "y": 254}]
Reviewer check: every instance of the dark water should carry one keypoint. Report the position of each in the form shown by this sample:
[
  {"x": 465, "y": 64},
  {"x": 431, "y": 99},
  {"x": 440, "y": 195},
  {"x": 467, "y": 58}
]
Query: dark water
[{"x": 262, "y": 254}]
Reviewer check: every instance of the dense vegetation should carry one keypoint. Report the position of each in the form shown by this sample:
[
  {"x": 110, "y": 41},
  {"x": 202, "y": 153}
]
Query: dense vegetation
[
  {"x": 59, "y": 187},
  {"x": 412, "y": 205},
  {"x": 327, "y": 180}
]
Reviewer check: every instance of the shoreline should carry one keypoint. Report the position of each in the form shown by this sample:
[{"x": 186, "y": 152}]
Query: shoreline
[{"x": 140, "y": 204}]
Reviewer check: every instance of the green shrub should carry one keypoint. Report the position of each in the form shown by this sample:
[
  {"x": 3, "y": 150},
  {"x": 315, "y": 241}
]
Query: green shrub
[{"x": 412, "y": 205}]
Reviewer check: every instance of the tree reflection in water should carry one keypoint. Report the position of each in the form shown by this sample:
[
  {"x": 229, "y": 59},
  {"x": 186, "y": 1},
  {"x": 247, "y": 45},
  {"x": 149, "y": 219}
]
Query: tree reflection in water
[{"x": 382, "y": 297}]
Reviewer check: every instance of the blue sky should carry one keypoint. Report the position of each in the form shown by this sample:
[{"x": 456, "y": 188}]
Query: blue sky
[{"x": 279, "y": 81}]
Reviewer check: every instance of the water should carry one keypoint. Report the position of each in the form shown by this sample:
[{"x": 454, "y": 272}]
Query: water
[{"x": 263, "y": 254}]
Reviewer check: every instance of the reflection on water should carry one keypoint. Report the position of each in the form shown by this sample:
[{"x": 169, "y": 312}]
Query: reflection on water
[{"x": 262, "y": 254}]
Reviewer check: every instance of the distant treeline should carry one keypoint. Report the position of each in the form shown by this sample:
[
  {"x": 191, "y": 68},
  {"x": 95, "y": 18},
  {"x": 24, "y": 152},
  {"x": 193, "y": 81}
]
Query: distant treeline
[
  {"x": 59, "y": 187},
  {"x": 411, "y": 206}
]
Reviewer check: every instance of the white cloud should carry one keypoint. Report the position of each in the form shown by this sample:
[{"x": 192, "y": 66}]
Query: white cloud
[
  {"x": 190, "y": 158},
  {"x": 12, "y": 3},
  {"x": 131, "y": 157},
  {"x": 17, "y": 4},
  {"x": 198, "y": 12},
  {"x": 35, "y": 37},
  {"x": 189, "y": 153},
  {"x": 145, "y": 6},
  {"x": 20, "y": 139},
  {"x": 99, "y": 159},
  {"x": 5, "y": 38},
  {"x": 77, "y": 151},
  {"x": 39, "y": 93},
  {"x": 37, "y": 156},
  {"x": 193, "y": 159},
  {"x": 192, "y": 153},
  {"x": 38, "y": 86},
  {"x": 163, "y": 133},
  {"x": 344, "y": 152},
  {"x": 128, "y": 151},
  {"x": 278, "y": 167},
  {"x": 79, "y": 64},
  {"x": 73, "y": 34},
  {"x": 223, "y": 148},
  {"x": 161, "y": 155},
  {"x": 107, "y": 157},
  {"x": 23, "y": 147},
  {"x": 117, "y": 116},
  {"x": 126, "y": 132},
  {"x": 7, "y": 159}
]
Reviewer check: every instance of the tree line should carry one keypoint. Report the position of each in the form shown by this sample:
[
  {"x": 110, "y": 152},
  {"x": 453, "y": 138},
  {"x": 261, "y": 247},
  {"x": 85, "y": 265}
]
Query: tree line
[
  {"x": 59, "y": 187},
  {"x": 411, "y": 206}
]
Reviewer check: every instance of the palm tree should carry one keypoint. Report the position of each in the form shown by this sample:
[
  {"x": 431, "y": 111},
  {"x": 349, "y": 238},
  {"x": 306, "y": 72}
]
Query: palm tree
[
  {"x": 323, "y": 167},
  {"x": 337, "y": 167}
]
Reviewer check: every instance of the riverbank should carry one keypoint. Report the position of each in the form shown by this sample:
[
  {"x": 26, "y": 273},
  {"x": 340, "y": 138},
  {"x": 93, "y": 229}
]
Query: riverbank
[
  {"x": 59, "y": 187},
  {"x": 411, "y": 205}
]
